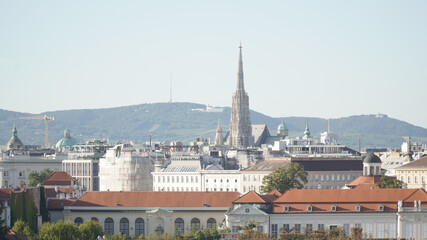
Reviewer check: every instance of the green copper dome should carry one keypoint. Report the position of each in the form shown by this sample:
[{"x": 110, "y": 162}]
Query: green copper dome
[
  {"x": 282, "y": 127},
  {"x": 67, "y": 141}
]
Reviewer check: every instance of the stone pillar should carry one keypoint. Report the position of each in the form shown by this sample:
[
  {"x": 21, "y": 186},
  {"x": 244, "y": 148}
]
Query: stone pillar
[{"x": 399, "y": 226}]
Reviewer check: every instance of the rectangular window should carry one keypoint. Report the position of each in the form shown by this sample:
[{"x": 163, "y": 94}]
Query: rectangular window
[
  {"x": 368, "y": 230},
  {"x": 285, "y": 228},
  {"x": 274, "y": 230},
  {"x": 424, "y": 230},
  {"x": 308, "y": 228},
  {"x": 298, "y": 228},
  {"x": 380, "y": 230},
  {"x": 408, "y": 230},
  {"x": 347, "y": 229},
  {"x": 392, "y": 230},
  {"x": 320, "y": 226}
]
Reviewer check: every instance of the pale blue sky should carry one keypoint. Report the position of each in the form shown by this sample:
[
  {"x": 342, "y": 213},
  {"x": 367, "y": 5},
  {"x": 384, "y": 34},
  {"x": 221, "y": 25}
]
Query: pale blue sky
[{"x": 301, "y": 58}]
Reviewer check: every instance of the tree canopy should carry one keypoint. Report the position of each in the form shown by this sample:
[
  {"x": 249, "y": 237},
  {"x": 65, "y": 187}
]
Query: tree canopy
[
  {"x": 38, "y": 177},
  {"x": 289, "y": 176},
  {"x": 386, "y": 182}
]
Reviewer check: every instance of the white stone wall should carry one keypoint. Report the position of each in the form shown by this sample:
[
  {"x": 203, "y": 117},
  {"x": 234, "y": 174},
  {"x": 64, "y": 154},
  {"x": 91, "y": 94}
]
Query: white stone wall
[
  {"x": 374, "y": 225},
  {"x": 125, "y": 171},
  {"x": 413, "y": 178},
  {"x": 14, "y": 171},
  {"x": 152, "y": 218},
  {"x": 216, "y": 180},
  {"x": 177, "y": 181}
]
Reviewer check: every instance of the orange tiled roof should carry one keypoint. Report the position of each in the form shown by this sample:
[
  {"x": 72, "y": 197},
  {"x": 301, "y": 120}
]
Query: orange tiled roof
[
  {"x": 58, "y": 178},
  {"x": 250, "y": 197},
  {"x": 346, "y": 200},
  {"x": 157, "y": 199},
  {"x": 253, "y": 197},
  {"x": 367, "y": 181}
]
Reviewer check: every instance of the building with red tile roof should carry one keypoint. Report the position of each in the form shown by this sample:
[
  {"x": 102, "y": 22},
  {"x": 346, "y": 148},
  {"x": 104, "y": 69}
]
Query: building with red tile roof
[
  {"x": 151, "y": 212},
  {"x": 381, "y": 213},
  {"x": 58, "y": 179}
]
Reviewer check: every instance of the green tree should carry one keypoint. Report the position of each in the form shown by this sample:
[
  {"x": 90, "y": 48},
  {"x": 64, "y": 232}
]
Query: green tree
[
  {"x": 3, "y": 228},
  {"x": 91, "y": 230},
  {"x": 22, "y": 227},
  {"x": 356, "y": 233},
  {"x": 117, "y": 236},
  {"x": 289, "y": 176},
  {"x": 59, "y": 231},
  {"x": 38, "y": 177},
  {"x": 386, "y": 182},
  {"x": 199, "y": 234}
]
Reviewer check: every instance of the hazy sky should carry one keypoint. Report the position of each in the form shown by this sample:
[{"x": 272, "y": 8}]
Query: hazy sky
[{"x": 301, "y": 58}]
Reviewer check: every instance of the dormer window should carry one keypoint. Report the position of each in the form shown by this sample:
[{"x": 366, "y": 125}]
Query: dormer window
[
  {"x": 358, "y": 208},
  {"x": 286, "y": 208},
  {"x": 381, "y": 208},
  {"x": 333, "y": 208},
  {"x": 309, "y": 208}
]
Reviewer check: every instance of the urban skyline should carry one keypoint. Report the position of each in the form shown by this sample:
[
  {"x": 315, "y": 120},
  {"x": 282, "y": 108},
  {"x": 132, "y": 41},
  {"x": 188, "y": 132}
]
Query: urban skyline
[{"x": 328, "y": 59}]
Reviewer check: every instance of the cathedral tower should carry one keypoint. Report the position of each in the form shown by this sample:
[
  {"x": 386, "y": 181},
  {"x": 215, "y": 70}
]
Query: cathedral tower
[
  {"x": 219, "y": 140},
  {"x": 240, "y": 122}
]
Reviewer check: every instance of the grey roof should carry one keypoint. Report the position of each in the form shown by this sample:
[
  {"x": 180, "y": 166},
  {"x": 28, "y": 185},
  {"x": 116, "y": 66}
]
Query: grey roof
[
  {"x": 372, "y": 158},
  {"x": 183, "y": 166},
  {"x": 419, "y": 164},
  {"x": 310, "y": 165}
]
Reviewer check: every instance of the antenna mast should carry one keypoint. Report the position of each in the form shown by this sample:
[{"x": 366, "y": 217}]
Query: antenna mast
[{"x": 170, "y": 88}]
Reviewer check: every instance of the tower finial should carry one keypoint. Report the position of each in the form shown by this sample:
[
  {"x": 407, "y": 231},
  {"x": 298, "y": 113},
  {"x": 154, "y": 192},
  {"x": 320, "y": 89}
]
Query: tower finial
[{"x": 240, "y": 84}]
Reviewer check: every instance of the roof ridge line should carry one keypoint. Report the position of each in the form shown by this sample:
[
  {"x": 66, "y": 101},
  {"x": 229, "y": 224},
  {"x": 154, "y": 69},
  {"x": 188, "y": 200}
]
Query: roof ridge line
[{"x": 410, "y": 195}]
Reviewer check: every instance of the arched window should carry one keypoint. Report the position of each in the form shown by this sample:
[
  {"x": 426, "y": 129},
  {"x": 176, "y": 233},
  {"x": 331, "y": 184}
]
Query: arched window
[
  {"x": 139, "y": 227},
  {"x": 409, "y": 179},
  {"x": 78, "y": 221},
  {"x": 415, "y": 179},
  {"x": 179, "y": 225},
  {"x": 94, "y": 219},
  {"x": 109, "y": 226},
  {"x": 211, "y": 223},
  {"x": 195, "y": 222},
  {"x": 159, "y": 230},
  {"x": 124, "y": 226}
]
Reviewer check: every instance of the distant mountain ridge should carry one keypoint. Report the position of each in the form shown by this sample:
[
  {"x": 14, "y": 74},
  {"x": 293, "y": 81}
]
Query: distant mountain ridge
[{"x": 178, "y": 122}]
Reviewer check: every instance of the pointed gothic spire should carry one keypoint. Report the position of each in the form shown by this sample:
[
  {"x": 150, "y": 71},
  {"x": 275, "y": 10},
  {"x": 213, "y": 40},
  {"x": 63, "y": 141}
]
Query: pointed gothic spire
[
  {"x": 240, "y": 84},
  {"x": 307, "y": 131}
]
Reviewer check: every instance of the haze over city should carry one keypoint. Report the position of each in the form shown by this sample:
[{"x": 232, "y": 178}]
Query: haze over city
[{"x": 301, "y": 58}]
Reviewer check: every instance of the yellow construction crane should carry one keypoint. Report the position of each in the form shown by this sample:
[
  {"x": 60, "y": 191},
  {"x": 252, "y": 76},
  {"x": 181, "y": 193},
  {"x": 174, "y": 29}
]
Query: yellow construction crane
[{"x": 46, "y": 127}]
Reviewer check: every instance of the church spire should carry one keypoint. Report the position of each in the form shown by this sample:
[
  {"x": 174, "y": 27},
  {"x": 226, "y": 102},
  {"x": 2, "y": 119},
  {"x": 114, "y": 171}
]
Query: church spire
[
  {"x": 307, "y": 133},
  {"x": 240, "y": 84},
  {"x": 240, "y": 122}
]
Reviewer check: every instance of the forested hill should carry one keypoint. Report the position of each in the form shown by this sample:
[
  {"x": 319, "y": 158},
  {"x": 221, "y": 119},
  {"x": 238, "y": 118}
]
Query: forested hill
[{"x": 181, "y": 122}]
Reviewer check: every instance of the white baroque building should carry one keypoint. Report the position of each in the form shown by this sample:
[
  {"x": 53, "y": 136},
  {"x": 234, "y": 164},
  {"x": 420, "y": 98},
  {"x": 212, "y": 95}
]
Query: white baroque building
[
  {"x": 125, "y": 168},
  {"x": 192, "y": 175},
  {"x": 381, "y": 213},
  {"x": 15, "y": 169},
  {"x": 136, "y": 213}
]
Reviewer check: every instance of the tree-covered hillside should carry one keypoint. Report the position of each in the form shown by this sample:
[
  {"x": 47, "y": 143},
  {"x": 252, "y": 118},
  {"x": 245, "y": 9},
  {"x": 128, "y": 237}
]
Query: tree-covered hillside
[{"x": 178, "y": 122}]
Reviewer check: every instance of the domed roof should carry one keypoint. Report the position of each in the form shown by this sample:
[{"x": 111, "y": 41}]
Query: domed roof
[
  {"x": 14, "y": 143},
  {"x": 67, "y": 141},
  {"x": 282, "y": 127},
  {"x": 372, "y": 158}
]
